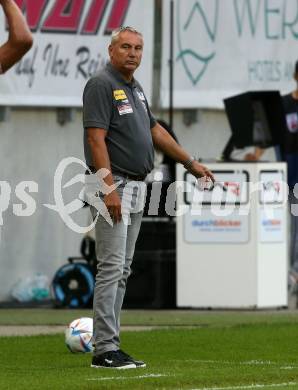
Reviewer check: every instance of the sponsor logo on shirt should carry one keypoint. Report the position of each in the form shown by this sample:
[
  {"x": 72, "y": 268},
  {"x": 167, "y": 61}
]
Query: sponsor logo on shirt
[
  {"x": 119, "y": 94},
  {"x": 125, "y": 109}
]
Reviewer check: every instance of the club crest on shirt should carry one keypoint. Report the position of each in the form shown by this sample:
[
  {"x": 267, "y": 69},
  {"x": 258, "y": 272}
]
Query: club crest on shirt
[
  {"x": 141, "y": 96},
  {"x": 124, "y": 109}
]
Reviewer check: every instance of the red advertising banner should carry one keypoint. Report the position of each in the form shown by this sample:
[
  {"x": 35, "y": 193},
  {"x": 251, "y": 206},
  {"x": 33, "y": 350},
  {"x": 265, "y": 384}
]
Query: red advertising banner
[{"x": 71, "y": 39}]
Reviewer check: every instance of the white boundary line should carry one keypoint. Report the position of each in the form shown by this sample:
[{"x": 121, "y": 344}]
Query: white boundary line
[
  {"x": 253, "y": 386},
  {"x": 279, "y": 365},
  {"x": 109, "y": 378}
]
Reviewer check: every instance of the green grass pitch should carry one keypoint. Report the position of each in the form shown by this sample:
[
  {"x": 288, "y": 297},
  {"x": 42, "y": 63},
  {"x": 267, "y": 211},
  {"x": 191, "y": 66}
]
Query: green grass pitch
[{"x": 241, "y": 351}]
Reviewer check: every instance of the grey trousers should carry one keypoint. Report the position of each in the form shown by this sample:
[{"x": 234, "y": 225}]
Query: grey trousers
[{"x": 115, "y": 249}]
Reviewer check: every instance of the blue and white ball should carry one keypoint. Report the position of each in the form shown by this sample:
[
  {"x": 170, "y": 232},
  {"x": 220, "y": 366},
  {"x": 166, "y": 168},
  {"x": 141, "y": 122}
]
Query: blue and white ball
[{"x": 78, "y": 335}]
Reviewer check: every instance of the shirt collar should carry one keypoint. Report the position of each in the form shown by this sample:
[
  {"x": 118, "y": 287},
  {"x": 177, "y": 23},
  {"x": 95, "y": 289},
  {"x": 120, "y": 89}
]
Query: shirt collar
[{"x": 119, "y": 76}]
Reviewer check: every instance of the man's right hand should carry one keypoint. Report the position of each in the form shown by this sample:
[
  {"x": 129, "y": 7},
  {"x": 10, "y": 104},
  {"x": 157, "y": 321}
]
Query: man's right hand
[{"x": 113, "y": 204}]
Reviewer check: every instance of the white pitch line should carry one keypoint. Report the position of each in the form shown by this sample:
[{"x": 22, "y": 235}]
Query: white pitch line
[
  {"x": 128, "y": 377},
  {"x": 254, "y": 386},
  {"x": 249, "y": 363},
  {"x": 282, "y": 366}
]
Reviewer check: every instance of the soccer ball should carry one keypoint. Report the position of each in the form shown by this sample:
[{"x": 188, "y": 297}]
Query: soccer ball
[{"x": 78, "y": 335}]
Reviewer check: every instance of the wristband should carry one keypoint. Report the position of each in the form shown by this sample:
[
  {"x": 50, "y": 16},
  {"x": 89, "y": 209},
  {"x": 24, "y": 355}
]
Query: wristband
[{"x": 188, "y": 163}]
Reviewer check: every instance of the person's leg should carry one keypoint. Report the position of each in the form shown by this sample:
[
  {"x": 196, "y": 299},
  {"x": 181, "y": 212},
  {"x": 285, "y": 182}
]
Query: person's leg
[
  {"x": 115, "y": 248},
  {"x": 132, "y": 235},
  {"x": 133, "y": 200},
  {"x": 110, "y": 249}
]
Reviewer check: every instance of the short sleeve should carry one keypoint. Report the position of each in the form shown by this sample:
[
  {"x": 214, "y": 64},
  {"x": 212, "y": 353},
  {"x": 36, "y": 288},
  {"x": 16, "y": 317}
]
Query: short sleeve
[
  {"x": 97, "y": 104},
  {"x": 152, "y": 119}
]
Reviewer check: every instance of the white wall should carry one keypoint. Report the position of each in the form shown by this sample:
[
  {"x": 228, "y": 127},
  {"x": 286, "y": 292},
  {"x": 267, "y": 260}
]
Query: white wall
[{"x": 32, "y": 144}]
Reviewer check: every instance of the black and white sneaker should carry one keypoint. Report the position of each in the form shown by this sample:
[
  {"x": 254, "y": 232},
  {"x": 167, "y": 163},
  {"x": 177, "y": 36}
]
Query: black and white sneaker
[
  {"x": 125, "y": 356},
  {"x": 112, "y": 359}
]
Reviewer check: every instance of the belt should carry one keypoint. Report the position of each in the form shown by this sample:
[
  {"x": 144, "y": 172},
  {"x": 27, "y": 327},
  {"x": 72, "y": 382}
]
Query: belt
[{"x": 120, "y": 173}]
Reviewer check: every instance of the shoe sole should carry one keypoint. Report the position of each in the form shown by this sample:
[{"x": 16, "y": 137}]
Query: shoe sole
[
  {"x": 141, "y": 365},
  {"x": 127, "y": 367}
]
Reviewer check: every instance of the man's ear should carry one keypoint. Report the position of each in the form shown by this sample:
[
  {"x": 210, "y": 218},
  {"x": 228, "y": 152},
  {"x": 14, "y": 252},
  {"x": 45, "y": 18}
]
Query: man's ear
[{"x": 110, "y": 48}]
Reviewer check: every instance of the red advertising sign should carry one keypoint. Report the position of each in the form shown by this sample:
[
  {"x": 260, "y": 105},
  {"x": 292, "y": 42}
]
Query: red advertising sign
[{"x": 71, "y": 38}]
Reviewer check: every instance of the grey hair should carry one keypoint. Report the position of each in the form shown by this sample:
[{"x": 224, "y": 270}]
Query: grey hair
[{"x": 115, "y": 33}]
